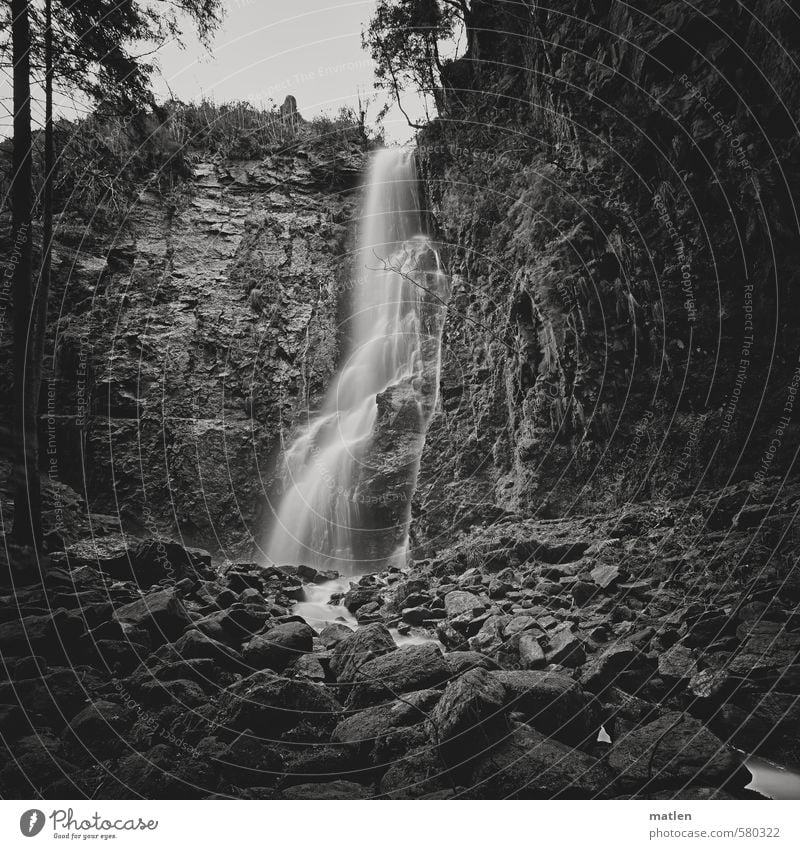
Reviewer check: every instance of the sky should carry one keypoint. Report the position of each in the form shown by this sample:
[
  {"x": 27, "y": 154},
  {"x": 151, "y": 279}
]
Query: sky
[{"x": 265, "y": 50}]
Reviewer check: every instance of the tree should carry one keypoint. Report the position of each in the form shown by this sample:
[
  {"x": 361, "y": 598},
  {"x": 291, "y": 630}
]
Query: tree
[
  {"x": 87, "y": 46},
  {"x": 405, "y": 39},
  {"x": 27, "y": 498}
]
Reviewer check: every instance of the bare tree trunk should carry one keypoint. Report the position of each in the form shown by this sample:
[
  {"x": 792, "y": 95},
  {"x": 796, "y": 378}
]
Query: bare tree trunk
[{"x": 27, "y": 495}]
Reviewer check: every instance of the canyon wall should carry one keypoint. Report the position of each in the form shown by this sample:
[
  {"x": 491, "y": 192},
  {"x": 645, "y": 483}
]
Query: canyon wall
[
  {"x": 612, "y": 185},
  {"x": 186, "y": 343}
]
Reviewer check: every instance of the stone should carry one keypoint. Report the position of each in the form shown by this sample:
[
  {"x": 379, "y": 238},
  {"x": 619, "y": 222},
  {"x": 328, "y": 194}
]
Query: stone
[
  {"x": 461, "y": 661},
  {"x": 469, "y": 713},
  {"x": 279, "y": 646},
  {"x": 677, "y": 663},
  {"x": 459, "y": 602},
  {"x": 551, "y": 702},
  {"x": 490, "y": 640},
  {"x": 359, "y": 596},
  {"x": 362, "y": 731},
  {"x": 308, "y": 667},
  {"x": 161, "y": 613},
  {"x": 266, "y": 700},
  {"x": 565, "y": 648},
  {"x": 358, "y": 648},
  {"x": 531, "y": 654},
  {"x": 250, "y": 761},
  {"x": 415, "y": 667},
  {"x": 675, "y": 750},
  {"x": 529, "y": 765},
  {"x": 606, "y": 575},
  {"x": 333, "y": 633},
  {"x": 330, "y": 790},
  {"x": 419, "y": 774},
  {"x": 583, "y": 592},
  {"x": 764, "y": 653},
  {"x": 101, "y": 723},
  {"x": 604, "y": 670},
  {"x": 415, "y": 615},
  {"x": 194, "y": 644}
]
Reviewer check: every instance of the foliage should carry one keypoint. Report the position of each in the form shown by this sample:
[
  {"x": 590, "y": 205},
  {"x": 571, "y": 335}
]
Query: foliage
[{"x": 405, "y": 39}]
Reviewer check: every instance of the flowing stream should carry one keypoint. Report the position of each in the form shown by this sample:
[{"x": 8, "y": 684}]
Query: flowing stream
[{"x": 351, "y": 470}]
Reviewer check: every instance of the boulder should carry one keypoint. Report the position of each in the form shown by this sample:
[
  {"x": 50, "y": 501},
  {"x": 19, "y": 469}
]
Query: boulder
[
  {"x": 334, "y": 633},
  {"x": 101, "y": 723},
  {"x": 250, "y": 761},
  {"x": 565, "y": 648},
  {"x": 531, "y": 654},
  {"x": 419, "y": 774},
  {"x": 606, "y": 575},
  {"x": 362, "y": 731},
  {"x": 461, "y": 661},
  {"x": 677, "y": 664},
  {"x": 363, "y": 645},
  {"x": 279, "y": 646},
  {"x": 528, "y": 765},
  {"x": 265, "y": 700},
  {"x": 330, "y": 790},
  {"x": 161, "y": 613},
  {"x": 414, "y": 667},
  {"x": 468, "y": 716},
  {"x": 459, "y": 602},
  {"x": 675, "y": 750},
  {"x": 551, "y": 702},
  {"x": 604, "y": 670}
]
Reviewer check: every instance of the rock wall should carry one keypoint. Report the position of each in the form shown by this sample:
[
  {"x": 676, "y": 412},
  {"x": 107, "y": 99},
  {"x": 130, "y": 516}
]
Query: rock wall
[
  {"x": 187, "y": 343},
  {"x": 613, "y": 185}
]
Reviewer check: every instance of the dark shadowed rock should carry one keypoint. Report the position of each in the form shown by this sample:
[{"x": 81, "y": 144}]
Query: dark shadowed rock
[
  {"x": 328, "y": 790},
  {"x": 280, "y": 646},
  {"x": 677, "y": 663},
  {"x": 362, "y": 731},
  {"x": 102, "y": 722},
  {"x": 565, "y": 647},
  {"x": 551, "y": 702},
  {"x": 161, "y": 613},
  {"x": 675, "y": 749},
  {"x": 417, "y": 775},
  {"x": 468, "y": 716},
  {"x": 528, "y": 765},
  {"x": 415, "y": 667},
  {"x": 365, "y": 644},
  {"x": 194, "y": 644},
  {"x": 461, "y": 661},
  {"x": 604, "y": 670},
  {"x": 264, "y": 700},
  {"x": 249, "y": 761}
]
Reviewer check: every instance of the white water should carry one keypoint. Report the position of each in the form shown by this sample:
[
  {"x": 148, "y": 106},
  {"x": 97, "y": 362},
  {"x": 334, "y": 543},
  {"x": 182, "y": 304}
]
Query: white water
[{"x": 326, "y": 517}]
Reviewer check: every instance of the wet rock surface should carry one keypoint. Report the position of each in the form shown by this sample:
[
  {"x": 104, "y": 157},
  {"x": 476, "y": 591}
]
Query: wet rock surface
[{"x": 208, "y": 684}]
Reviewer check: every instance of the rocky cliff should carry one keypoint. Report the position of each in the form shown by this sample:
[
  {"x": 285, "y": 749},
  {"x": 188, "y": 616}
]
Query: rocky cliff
[
  {"x": 186, "y": 343},
  {"x": 613, "y": 183}
]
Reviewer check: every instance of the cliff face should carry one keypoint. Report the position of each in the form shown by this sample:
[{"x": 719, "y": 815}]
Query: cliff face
[
  {"x": 613, "y": 184},
  {"x": 189, "y": 341}
]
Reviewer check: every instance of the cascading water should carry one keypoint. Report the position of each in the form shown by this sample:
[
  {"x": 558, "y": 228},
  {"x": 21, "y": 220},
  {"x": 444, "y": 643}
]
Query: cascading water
[{"x": 350, "y": 473}]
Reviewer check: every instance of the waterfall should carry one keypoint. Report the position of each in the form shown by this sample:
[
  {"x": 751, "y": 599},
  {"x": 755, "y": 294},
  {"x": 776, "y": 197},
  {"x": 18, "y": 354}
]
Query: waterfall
[{"x": 350, "y": 473}]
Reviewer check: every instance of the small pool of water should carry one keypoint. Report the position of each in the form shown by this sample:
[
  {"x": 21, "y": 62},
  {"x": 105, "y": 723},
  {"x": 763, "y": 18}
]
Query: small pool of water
[{"x": 772, "y": 780}]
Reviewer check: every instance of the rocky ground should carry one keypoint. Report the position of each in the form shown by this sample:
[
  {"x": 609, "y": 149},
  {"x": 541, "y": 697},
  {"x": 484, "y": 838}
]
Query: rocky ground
[{"x": 635, "y": 654}]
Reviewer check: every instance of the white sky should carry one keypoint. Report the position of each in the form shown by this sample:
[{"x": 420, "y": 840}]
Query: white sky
[{"x": 267, "y": 49}]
